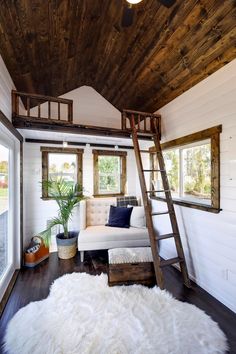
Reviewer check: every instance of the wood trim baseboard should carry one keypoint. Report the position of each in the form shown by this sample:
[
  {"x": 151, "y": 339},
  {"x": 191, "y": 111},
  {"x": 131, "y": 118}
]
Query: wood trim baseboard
[{"x": 8, "y": 291}]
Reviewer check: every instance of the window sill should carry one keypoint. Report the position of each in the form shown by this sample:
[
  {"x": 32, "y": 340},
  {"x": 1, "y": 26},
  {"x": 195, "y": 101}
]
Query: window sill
[
  {"x": 108, "y": 195},
  {"x": 193, "y": 205}
]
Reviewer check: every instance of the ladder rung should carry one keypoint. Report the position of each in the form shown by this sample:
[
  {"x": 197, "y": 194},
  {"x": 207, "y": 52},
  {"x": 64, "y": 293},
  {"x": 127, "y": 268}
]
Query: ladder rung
[
  {"x": 154, "y": 170},
  {"x": 170, "y": 261},
  {"x": 163, "y": 237},
  {"x": 150, "y": 152},
  {"x": 161, "y": 213},
  {"x": 159, "y": 191}
]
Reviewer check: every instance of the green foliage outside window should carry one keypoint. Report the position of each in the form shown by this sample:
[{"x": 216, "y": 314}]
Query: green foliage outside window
[
  {"x": 190, "y": 166},
  {"x": 197, "y": 171},
  {"x": 109, "y": 174},
  {"x": 172, "y": 168}
]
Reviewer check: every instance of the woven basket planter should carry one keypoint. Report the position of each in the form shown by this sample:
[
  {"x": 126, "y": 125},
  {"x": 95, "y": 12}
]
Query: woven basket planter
[{"x": 67, "y": 247}]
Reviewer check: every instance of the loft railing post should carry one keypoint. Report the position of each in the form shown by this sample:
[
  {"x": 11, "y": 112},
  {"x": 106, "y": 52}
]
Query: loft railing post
[
  {"x": 49, "y": 110},
  {"x": 123, "y": 121},
  {"x": 28, "y": 106},
  {"x": 138, "y": 121},
  {"x": 70, "y": 112},
  {"x": 15, "y": 103},
  {"x": 39, "y": 110},
  {"x": 59, "y": 111},
  {"x": 159, "y": 126}
]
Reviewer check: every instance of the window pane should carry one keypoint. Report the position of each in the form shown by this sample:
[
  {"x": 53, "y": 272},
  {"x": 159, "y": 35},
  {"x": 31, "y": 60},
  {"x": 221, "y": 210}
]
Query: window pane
[
  {"x": 197, "y": 172},
  {"x": 4, "y": 207},
  {"x": 109, "y": 171},
  {"x": 171, "y": 158},
  {"x": 62, "y": 166}
]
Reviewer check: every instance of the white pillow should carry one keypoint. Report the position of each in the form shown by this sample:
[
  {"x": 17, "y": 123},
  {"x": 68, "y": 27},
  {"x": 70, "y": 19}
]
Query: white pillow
[{"x": 138, "y": 218}]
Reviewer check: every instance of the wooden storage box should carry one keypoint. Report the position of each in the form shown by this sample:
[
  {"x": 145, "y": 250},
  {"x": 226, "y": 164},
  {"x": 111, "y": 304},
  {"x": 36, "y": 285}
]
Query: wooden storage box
[{"x": 131, "y": 266}]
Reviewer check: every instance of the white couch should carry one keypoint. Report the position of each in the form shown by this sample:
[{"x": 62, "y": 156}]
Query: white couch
[{"x": 94, "y": 235}]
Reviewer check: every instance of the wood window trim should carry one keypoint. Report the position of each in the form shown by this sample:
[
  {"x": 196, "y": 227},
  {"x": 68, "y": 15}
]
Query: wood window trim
[
  {"x": 122, "y": 155},
  {"x": 214, "y": 135},
  {"x": 46, "y": 150}
]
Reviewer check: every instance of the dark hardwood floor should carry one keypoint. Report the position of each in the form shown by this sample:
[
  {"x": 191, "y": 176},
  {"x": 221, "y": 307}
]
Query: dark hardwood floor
[{"x": 34, "y": 284}]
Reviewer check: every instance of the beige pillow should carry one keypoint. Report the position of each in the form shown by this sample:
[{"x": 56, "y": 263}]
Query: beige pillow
[{"x": 138, "y": 218}]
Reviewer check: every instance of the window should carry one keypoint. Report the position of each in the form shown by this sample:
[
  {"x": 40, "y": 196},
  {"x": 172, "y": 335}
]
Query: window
[
  {"x": 109, "y": 172},
  {"x": 192, "y": 165},
  {"x": 63, "y": 163}
]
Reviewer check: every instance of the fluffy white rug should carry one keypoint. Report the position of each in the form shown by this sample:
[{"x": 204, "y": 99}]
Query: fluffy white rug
[{"x": 83, "y": 315}]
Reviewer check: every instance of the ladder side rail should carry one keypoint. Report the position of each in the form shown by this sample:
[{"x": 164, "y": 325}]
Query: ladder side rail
[
  {"x": 147, "y": 206},
  {"x": 170, "y": 205}
]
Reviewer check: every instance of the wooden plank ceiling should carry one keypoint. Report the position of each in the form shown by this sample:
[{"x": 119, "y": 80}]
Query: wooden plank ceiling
[{"x": 51, "y": 47}]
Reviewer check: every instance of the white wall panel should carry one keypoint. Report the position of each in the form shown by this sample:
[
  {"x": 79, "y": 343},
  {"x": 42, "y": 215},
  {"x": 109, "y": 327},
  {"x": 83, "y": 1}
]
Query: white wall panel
[
  {"x": 6, "y": 85},
  {"x": 89, "y": 107},
  {"x": 38, "y": 211},
  {"x": 209, "y": 239}
]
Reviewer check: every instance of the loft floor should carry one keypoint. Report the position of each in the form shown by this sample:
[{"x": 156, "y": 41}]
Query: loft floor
[{"x": 34, "y": 284}]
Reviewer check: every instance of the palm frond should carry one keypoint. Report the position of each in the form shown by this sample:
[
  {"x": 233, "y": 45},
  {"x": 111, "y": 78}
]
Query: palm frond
[{"x": 67, "y": 196}]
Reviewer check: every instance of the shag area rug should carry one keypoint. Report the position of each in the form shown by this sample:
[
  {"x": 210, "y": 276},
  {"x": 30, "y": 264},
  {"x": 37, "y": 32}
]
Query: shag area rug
[{"x": 82, "y": 315}]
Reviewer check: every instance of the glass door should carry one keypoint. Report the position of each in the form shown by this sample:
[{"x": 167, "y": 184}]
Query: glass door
[
  {"x": 4, "y": 208},
  {"x": 9, "y": 207}
]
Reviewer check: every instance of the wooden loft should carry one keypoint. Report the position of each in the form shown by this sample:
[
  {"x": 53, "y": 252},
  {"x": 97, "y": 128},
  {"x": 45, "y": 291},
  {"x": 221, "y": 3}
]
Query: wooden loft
[{"x": 40, "y": 112}]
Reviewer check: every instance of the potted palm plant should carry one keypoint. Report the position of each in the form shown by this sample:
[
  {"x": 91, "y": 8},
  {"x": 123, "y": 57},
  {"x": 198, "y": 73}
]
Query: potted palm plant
[{"x": 67, "y": 197}]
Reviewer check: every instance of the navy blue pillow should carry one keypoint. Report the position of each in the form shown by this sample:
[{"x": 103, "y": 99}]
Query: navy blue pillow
[{"x": 119, "y": 217}]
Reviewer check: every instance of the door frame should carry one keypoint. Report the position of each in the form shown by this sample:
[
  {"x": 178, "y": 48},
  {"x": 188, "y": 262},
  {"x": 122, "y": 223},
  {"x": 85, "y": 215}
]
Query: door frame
[{"x": 14, "y": 140}]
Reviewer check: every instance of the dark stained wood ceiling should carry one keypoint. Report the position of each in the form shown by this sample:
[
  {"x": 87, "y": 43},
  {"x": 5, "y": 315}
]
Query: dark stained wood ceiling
[{"x": 51, "y": 47}]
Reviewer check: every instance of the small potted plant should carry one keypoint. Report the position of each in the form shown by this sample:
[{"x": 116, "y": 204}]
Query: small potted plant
[{"x": 67, "y": 197}]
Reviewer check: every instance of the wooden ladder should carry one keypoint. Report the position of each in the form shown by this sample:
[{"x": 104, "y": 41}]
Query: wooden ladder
[{"x": 158, "y": 262}]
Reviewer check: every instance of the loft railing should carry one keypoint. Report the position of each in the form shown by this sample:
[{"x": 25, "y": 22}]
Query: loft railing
[
  {"x": 145, "y": 122},
  {"x": 41, "y": 107}
]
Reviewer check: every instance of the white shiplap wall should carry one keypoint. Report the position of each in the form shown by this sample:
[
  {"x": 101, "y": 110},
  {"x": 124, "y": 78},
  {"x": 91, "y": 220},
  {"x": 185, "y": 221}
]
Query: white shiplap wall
[
  {"x": 6, "y": 85},
  {"x": 89, "y": 107},
  {"x": 38, "y": 211},
  {"x": 209, "y": 239}
]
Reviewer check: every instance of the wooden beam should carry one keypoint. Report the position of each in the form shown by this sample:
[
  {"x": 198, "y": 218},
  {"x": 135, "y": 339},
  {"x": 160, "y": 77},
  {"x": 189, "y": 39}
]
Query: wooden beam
[
  {"x": 110, "y": 152},
  {"x": 188, "y": 139},
  {"x": 43, "y": 97},
  {"x": 10, "y": 126},
  {"x": 61, "y": 150},
  {"x": 23, "y": 122},
  {"x": 190, "y": 205},
  {"x": 75, "y": 143}
]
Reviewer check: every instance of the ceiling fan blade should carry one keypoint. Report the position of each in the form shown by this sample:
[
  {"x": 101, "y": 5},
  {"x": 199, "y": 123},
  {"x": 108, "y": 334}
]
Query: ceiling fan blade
[
  {"x": 167, "y": 3},
  {"x": 127, "y": 17}
]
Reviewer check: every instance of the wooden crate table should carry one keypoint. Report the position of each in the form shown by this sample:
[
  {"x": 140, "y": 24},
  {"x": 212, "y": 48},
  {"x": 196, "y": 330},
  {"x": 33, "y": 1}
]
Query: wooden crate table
[{"x": 131, "y": 266}]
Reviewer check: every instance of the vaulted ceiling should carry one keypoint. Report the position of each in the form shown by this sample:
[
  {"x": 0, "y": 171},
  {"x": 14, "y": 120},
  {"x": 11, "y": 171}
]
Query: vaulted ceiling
[{"x": 51, "y": 47}]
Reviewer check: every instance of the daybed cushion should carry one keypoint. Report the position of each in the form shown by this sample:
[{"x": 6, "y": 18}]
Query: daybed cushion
[
  {"x": 103, "y": 237},
  {"x": 130, "y": 255},
  {"x": 97, "y": 210}
]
